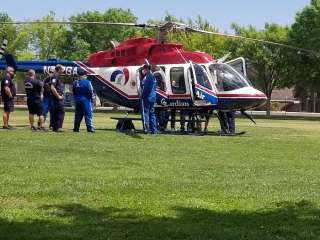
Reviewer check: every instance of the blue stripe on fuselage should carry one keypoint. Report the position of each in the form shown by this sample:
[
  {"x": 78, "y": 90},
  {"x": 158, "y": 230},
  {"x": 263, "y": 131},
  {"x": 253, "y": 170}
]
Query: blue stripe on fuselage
[
  {"x": 71, "y": 69},
  {"x": 210, "y": 98}
]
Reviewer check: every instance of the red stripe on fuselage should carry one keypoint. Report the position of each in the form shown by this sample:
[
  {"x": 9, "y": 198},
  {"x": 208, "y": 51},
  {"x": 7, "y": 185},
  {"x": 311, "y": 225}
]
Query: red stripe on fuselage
[{"x": 241, "y": 95}]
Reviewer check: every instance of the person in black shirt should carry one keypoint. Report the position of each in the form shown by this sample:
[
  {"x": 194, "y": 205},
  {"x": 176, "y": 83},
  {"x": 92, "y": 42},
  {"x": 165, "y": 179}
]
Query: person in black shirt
[
  {"x": 46, "y": 100},
  {"x": 34, "y": 89},
  {"x": 8, "y": 91},
  {"x": 57, "y": 90}
]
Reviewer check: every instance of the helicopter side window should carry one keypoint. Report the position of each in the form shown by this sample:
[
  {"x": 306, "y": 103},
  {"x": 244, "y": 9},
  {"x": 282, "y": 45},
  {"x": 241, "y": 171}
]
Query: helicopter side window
[
  {"x": 160, "y": 81},
  {"x": 202, "y": 77},
  {"x": 227, "y": 78},
  {"x": 177, "y": 80}
]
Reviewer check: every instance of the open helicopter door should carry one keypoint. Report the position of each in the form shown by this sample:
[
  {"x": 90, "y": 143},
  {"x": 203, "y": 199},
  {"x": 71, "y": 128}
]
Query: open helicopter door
[
  {"x": 139, "y": 79},
  {"x": 161, "y": 80},
  {"x": 238, "y": 64},
  {"x": 201, "y": 86},
  {"x": 162, "y": 84}
]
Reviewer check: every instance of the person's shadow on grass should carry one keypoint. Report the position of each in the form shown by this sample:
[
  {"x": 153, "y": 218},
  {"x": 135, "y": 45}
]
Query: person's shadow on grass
[{"x": 74, "y": 221}]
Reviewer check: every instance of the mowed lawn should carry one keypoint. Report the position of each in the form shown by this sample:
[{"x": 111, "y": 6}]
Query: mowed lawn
[{"x": 108, "y": 185}]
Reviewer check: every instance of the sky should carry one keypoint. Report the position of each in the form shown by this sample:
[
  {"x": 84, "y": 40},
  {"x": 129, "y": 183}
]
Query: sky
[{"x": 220, "y": 13}]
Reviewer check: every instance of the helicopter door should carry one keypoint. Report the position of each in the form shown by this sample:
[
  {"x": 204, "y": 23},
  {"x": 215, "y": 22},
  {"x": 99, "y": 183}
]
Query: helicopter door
[
  {"x": 139, "y": 78},
  {"x": 177, "y": 81},
  {"x": 201, "y": 85},
  {"x": 159, "y": 76},
  {"x": 238, "y": 64}
]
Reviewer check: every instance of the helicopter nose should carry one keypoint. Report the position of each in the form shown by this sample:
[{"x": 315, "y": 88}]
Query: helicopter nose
[
  {"x": 260, "y": 97},
  {"x": 252, "y": 97},
  {"x": 257, "y": 93},
  {"x": 242, "y": 99}
]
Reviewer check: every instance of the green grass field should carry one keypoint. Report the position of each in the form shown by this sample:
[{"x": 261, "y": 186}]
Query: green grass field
[{"x": 108, "y": 185}]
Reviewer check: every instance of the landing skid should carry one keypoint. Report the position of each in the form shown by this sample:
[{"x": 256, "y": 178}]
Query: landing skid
[
  {"x": 209, "y": 133},
  {"x": 231, "y": 134},
  {"x": 126, "y": 125}
]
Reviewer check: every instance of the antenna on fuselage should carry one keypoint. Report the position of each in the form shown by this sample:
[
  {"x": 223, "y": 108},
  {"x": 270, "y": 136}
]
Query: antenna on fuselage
[
  {"x": 224, "y": 58},
  {"x": 114, "y": 43},
  {"x": 147, "y": 62}
]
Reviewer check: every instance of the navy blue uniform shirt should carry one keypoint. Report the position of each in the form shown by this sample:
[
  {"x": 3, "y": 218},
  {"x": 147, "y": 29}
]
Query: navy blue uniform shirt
[
  {"x": 33, "y": 89},
  {"x": 55, "y": 81},
  {"x": 7, "y": 81}
]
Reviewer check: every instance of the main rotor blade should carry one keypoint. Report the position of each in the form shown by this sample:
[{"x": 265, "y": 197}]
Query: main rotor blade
[
  {"x": 82, "y": 23},
  {"x": 164, "y": 27},
  {"x": 189, "y": 29}
]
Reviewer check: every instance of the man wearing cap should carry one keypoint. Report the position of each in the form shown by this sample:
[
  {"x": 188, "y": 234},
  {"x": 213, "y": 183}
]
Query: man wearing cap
[
  {"x": 148, "y": 99},
  {"x": 57, "y": 107},
  {"x": 8, "y": 91},
  {"x": 83, "y": 93},
  {"x": 34, "y": 89}
]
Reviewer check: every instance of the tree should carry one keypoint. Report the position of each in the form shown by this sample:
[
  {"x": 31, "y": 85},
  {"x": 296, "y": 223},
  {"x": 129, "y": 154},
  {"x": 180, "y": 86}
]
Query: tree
[
  {"x": 305, "y": 33},
  {"x": 268, "y": 64},
  {"x": 73, "y": 48},
  {"x": 18, "y": 38},
  {"x": 99, "y": 37},
  {"x": 47, "y": 39}
]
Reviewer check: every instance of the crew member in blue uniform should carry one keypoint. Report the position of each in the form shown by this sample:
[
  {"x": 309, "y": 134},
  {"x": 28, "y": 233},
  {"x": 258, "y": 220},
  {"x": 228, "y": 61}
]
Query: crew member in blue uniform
[
  {"x": 8, "y": 91},
  {"x": 148, "y": 99},
  {"x": 83, "y": 93},
  {"x": 34, "y": 89},
  {"x": 46, "y": 101},
  {"x": 57, "y": 107}
]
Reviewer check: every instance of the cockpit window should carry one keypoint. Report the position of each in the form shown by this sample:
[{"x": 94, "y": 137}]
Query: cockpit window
[
  {"x": 202, "y": 77},
  {"x": 227, "y": 79}
]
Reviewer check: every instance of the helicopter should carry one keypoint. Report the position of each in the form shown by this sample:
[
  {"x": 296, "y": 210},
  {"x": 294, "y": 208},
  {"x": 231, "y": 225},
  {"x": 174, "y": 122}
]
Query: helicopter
[{"x": 185, "y": 79}]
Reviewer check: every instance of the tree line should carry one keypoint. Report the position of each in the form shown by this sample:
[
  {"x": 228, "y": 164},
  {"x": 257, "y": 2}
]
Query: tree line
[{"x": 269, "y": 66}]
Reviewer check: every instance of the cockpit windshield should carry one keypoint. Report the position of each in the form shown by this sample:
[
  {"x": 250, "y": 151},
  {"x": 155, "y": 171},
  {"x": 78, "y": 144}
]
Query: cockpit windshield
[
  {"x": 227, "y": 79},
  {"x": 202, "y": 77}
]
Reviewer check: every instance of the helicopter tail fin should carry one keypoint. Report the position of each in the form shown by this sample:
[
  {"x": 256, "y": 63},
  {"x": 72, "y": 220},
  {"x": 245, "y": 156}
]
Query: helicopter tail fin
[{"x": 10, "y": 60}]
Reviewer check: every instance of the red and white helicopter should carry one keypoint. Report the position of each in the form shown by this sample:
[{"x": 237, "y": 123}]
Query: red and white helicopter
[{"x": 186, "y": 79}]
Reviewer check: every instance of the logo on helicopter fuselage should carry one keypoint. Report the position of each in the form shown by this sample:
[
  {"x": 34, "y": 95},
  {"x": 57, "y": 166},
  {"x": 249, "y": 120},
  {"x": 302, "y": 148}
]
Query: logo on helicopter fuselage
[
  {"x": 179, "y": 103},
  {"x": 120, "y": 76},
  {"x": 164, "y": 102},
  {"x": 200, "y": 95},
  {"x": 69, "y": 71}
]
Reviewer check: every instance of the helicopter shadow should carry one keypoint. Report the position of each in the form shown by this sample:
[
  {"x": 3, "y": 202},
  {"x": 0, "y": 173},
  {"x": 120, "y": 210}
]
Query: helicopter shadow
[
  {"x": 133, "y": 134},
  {"x": 137, "y": 133},
  {"x": 282, "y": 220}
]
